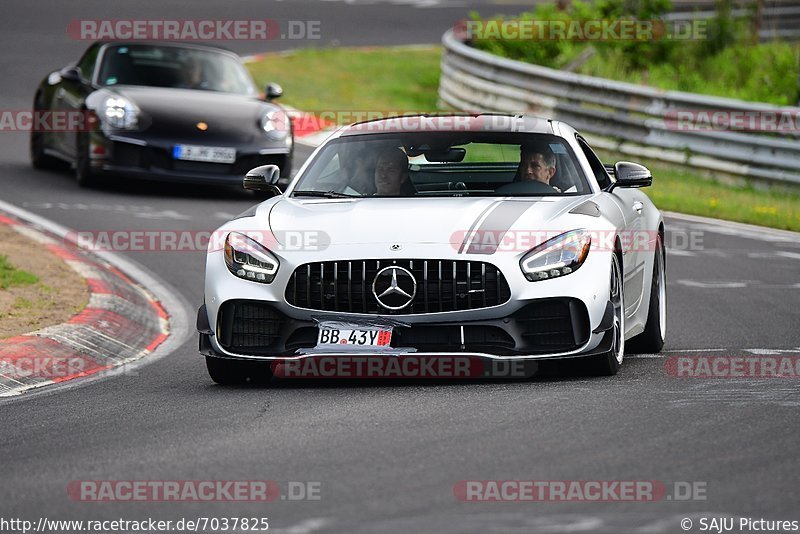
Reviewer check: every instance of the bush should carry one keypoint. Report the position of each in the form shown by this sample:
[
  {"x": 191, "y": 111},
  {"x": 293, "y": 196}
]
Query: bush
[
  {"x": 556, "y": 53},
  {"x": 726, "y": 63}
]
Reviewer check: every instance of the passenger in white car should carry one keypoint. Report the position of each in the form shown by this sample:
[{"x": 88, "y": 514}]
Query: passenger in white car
[{"x": 391, "y": 174}]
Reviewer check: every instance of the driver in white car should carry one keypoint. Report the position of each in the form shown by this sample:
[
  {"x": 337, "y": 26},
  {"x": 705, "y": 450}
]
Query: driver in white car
[{"x": 537, "y": 163}]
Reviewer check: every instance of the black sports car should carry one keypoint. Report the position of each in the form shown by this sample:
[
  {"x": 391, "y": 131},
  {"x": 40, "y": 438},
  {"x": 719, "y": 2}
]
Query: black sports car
[{"x": 161, "y": 111}]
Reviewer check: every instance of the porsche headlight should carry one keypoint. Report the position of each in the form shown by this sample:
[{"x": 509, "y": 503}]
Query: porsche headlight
[
  {"x": 557, "y": 257},
  {"x": 275, "y": 124},
  {"x": 248, "y": 259},
  {"x": 119, "y": 113}
]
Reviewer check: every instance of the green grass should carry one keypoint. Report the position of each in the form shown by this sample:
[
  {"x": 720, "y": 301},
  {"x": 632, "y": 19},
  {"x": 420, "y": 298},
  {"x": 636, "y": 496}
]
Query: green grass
[
  {"x": 407, "y": 80},
  {"x": 684, "y": 191},
  {"x": 764, "y": 73},
  {"x": 403, "y": 79},
  {"x": 21, "y": 303},
  {"x": 11, "y": 276}
]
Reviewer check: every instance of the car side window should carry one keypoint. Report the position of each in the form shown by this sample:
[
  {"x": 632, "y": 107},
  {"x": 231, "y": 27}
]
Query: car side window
[
  {"x": 88, "y": 61},
  {"x": 598, "y": 169}
]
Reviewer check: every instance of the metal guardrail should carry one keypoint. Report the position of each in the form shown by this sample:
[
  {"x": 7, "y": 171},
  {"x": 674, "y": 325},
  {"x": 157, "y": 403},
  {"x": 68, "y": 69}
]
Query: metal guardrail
[
  {"x": 623, "y": 117},
  {"x": 780, "y": 19}
]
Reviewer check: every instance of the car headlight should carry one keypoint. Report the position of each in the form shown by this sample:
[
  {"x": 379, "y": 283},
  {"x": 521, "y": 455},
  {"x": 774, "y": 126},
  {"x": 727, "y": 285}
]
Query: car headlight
[
  {"x": 275, "y": 124},
  {"x": 557, "y": 257},
  {"x": 120, "y": 113},
  {"x": 248, "y": 259}
]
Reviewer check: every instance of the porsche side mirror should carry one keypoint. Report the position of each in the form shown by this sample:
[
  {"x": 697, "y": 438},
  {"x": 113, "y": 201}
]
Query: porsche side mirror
[
  {"x": 632, "y": 175},
  {"x": 273, "y": 91},
  {"x": 264, "y": 179},
  {"x": 70, "y": 74}
]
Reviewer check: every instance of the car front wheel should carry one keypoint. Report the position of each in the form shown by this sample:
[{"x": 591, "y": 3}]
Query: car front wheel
[
  {"x": 652, "y": 339},
  {"x": 40, "y": 160},
  {"x": 608, "y": 364}
]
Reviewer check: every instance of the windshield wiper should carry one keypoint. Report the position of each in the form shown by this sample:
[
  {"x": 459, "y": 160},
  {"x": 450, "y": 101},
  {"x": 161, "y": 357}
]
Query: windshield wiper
[{"x": 323, "y": 194}]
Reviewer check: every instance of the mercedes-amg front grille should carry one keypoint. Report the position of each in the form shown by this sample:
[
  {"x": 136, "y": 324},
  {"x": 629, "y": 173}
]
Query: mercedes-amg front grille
[{"x": 438, "y": 286}]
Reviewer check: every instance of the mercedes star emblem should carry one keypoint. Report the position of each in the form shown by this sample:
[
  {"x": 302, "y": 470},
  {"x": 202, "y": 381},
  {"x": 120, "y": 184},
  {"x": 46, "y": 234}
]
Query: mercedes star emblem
[{"x": 394, "y": 287}]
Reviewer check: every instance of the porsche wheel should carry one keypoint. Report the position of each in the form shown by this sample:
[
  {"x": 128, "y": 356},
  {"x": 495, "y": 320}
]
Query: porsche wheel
[
  {"x": 83, "y": 169},
  {"x": 40, "y": 160}
]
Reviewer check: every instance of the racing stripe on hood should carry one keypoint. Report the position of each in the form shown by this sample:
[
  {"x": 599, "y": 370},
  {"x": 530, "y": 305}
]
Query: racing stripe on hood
[
  {"x": 498, "y": 222},
  {"x": 475, "y": 223}
]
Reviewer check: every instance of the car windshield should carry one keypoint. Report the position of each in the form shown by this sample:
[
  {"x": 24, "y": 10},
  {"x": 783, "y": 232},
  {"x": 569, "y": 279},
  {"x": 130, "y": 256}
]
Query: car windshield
[
  {"x": 174, "y": 66},
  {"x": 444, "y": 164}
]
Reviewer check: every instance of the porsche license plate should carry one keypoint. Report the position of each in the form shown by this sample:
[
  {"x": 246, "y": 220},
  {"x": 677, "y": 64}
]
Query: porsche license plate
[
  {"x": 208, "y": 154},
  {"x": 356, "y": 336}
]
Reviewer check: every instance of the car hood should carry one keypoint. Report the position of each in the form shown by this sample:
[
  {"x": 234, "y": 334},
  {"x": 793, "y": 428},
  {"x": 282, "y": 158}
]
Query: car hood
[
  {"x": 176, "y": 111},
  {"x": 417, "y": 221}
]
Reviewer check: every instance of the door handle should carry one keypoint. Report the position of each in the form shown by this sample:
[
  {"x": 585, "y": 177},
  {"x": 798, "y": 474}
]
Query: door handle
[{"x": 638, "y": 206}]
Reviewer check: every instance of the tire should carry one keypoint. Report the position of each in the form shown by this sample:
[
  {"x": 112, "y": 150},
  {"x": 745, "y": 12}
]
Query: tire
[
  {"x": 83, "y": 168},
  {"x": 40, "y": 160},
  {"x": 608, "y": 364},
  {"x": 651, "y": 341},
  {"x": 236, "y": 372}
]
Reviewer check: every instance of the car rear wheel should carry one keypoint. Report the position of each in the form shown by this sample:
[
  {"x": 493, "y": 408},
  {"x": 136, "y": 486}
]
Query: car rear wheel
[
  {"x": 236, "y": 372},
  {"x": 608, "y": 364},
  {"x": 651, "y": 340}
]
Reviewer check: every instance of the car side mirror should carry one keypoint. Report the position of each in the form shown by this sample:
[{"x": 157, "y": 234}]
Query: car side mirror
[
  {"x": 632, "y": 175},
  {"x": 273, "y": 91},
  {"x": 71, "y": 74},
  {"x": 264, "y": 179}
]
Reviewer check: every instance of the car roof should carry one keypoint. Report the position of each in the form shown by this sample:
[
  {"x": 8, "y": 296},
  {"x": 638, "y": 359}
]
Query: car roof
[{"x": 453, "y": 122}]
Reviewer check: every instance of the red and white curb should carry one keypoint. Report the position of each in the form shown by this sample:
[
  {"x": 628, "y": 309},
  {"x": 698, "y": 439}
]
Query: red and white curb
[
  {"x": 122, "y": 322},
  {"x": 309, "y": 129}
]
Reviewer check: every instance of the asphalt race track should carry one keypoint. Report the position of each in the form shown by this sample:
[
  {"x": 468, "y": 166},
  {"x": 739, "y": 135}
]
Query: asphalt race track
[{"x": 388, "y": 455}]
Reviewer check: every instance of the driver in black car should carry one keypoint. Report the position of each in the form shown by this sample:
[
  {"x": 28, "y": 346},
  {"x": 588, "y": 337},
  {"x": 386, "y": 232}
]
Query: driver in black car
[
  {"x": 536, "y": 163},
  {"x": 191, "y": 75}
]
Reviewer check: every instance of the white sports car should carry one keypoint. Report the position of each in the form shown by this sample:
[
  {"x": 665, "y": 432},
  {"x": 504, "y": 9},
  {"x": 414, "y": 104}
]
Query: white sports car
[{"x": 496, "y": 237}]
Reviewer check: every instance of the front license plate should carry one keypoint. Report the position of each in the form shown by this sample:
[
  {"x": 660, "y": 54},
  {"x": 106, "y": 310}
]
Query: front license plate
[
  {"x": 354, "y": 337},
  {"x": 209, "y": 154}
]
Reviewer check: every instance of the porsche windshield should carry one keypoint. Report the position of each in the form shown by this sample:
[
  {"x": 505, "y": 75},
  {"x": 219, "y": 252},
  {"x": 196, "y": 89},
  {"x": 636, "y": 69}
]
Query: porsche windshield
[
  {"x": 174, "y": 66},
  {"x": 444, "y": 164}
]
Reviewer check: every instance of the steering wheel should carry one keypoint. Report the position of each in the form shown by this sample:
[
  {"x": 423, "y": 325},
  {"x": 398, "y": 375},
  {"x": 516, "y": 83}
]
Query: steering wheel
[{"x": 525, "y": 188}]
